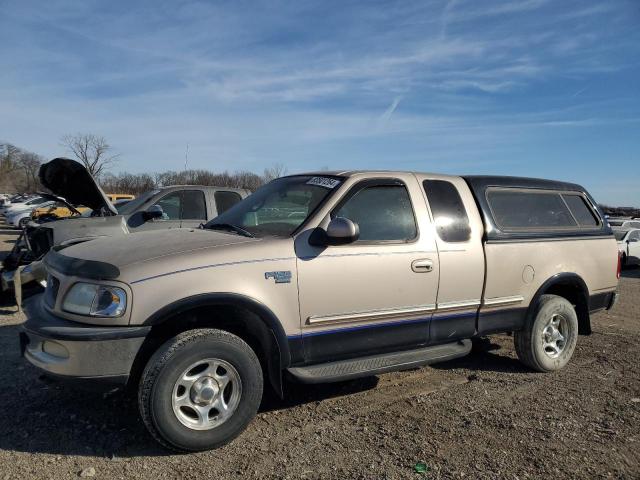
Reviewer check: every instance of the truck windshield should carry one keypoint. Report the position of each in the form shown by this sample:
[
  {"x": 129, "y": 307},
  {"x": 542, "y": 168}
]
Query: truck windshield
[{"x": 279, "y": 207}]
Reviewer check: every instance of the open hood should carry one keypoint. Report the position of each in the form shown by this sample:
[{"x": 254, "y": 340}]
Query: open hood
[{"x": 69, "y": 179}]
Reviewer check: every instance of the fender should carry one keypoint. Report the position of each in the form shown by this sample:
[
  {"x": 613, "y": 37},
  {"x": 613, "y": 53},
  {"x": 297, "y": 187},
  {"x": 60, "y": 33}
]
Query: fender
[
  {"x": 581, "y": 299},
  {"x": 278, "y": 358},
  {"x": 263, "y": 312}
]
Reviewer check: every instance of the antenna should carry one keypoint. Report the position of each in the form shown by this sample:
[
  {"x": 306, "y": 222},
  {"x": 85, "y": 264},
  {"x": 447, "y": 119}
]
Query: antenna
[{"x": 186, "y": 157}]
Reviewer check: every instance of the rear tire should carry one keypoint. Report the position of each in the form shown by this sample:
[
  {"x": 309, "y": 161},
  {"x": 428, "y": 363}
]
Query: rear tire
[
  {"x": 210, "y": 411},
  {"x": 549, "y": 338}
]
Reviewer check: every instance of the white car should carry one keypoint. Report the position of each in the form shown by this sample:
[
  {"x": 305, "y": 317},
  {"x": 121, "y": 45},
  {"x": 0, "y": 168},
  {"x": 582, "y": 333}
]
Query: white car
[
  {"x": 628, "y": 245},
  {"x": 31, "y": 203},
  {"x": 624, "y": 223},
  {"x": 20, "y": 218}
]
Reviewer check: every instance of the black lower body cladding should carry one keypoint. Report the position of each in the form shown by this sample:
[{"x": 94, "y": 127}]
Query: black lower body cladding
[{"x": 62, "y": 348}]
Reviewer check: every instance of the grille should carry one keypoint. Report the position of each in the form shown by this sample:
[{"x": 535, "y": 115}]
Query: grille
[{"x": 51, "y": 293}]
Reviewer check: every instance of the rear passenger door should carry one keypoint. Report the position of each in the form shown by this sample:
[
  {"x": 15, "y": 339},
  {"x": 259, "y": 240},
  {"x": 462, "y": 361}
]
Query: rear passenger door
[{"x": 458, "y": 231}]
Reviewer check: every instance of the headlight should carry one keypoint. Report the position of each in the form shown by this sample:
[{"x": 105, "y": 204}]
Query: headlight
[{"x": 95, "y": 300}]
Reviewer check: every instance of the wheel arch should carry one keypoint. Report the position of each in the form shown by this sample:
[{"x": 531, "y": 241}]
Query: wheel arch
[
  {"x": 241, "y": 315},
  {"x": 572, "y": 287}
]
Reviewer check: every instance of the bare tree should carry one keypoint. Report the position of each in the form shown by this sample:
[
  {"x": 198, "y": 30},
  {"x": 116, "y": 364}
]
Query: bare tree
[
  {"x": 91, "y": 150},
  {"x": 276, "y": 171},
  {"x": 18, "y": 169}
]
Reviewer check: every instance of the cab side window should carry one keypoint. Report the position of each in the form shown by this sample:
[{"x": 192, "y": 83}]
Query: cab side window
[
  {"x": 226, "y": 200},
  {"x": 449, "y": 214},
  {"x": 193, "y": 205},
  {"x": 383, "y": 213}
]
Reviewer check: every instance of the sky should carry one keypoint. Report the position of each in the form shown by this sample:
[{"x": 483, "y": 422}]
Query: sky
[{"x": 537, "y": 88}]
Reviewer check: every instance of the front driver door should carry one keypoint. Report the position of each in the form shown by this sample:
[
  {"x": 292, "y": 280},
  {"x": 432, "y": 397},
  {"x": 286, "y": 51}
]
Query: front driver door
[
  {"x": 171, "y": 205},
  {"x": 376, "y": 294}
]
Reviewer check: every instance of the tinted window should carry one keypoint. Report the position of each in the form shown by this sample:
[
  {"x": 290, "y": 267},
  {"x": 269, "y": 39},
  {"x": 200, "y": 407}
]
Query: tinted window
[
  {"x": 193, "y": 205},
  {"x": 449, "y": 214},
  {"x": 635, "y": 235},
  {"x": 226, "y": 200},
  {"x": 170, "y": 205},
  {"x": 382, "y": 212},
  {"x": 517, "y": 209},
  {"x": 584, "y": 215}
]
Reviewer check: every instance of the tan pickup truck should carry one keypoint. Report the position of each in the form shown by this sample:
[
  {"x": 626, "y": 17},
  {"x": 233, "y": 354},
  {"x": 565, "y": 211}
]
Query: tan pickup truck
[{"x": 319, "y": 278}]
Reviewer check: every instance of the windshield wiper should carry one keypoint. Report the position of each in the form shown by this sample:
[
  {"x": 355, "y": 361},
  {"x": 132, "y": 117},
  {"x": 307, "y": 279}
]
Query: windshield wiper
[{"x": 231, "y": 227}]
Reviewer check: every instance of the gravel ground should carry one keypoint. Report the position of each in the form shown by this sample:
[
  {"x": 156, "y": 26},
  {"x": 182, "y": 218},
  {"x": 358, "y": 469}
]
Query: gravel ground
[{"x": 482, "y": 416}]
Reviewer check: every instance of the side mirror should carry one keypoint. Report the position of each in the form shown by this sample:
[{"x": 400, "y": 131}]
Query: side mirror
[
  {"x": 342, "y": 231},
  {"x": 153, "y": 212}
]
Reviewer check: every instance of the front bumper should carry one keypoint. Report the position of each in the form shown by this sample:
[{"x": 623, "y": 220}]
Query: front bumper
[{"x": 62, "y": 348}]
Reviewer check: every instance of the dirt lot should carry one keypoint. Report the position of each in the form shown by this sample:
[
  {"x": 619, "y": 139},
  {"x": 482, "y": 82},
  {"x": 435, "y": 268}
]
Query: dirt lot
[{"x": 483, "y": 416}]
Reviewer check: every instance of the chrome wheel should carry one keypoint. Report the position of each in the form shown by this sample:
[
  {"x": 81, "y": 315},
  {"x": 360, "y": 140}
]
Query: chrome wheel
[
  {"x": 206, "y": 394},
  {"x": 554, "y": 335}
]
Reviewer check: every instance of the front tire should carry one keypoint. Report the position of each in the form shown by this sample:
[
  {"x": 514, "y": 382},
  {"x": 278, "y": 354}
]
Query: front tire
[
  {"x": 200, "y": 390},
  {"x": 549, "y": 338}
]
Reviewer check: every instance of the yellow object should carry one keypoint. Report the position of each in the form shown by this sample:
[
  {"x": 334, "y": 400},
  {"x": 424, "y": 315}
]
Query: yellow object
[
  {"x": 114, "y": 197},
  {"x": 57, "y": 211}
]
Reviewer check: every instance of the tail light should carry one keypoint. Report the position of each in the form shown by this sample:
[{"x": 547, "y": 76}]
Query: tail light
[{"x": 619, "y": 265}]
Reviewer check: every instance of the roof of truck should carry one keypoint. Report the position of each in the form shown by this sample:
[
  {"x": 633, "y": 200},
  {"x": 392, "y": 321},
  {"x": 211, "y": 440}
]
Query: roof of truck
[{"x": 476, "y": 181}]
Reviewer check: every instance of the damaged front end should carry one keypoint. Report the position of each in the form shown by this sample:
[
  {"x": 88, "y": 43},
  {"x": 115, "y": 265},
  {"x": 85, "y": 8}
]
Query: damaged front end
[{"x": 71, "y": 184}]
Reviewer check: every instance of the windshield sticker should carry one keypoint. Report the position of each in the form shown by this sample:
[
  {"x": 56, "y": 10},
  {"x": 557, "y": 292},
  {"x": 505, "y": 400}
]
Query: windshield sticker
[{"x": 324, "y": 182}]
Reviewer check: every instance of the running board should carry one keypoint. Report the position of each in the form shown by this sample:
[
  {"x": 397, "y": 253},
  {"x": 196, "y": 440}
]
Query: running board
[{"x": 375, "y": 364}]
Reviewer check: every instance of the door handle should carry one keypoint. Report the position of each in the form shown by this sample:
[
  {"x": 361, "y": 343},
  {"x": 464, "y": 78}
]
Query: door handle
[{"x": 422, "y": 265}]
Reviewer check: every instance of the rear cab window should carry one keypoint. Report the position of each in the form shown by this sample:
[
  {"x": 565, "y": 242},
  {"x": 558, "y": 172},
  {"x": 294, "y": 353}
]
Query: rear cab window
[{"x": 449, "y": 214}]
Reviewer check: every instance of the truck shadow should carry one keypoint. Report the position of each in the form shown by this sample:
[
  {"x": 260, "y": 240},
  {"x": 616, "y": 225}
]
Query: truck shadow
[
  {"x": 41, "y": 416},
  {"x": 630, "y": 272},
  {"x": 484, "y": 357}
]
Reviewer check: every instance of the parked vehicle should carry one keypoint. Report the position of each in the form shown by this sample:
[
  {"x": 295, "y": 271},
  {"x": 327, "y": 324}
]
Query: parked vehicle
[
  {"x": 322, "y": 277},
  {"x": 4, "y": 203},
  {"x": 56, "y": 211},
  {"x": 114, "y": 197},
  {"x": 628, "y": 245},
  {"x": 624, "y": 223},
  {"x": 27, "y": 206},
  {"x": 163, "y": 208},
  {"x": 20, "y": 218},
  {"x": 24, "y": 203}
]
